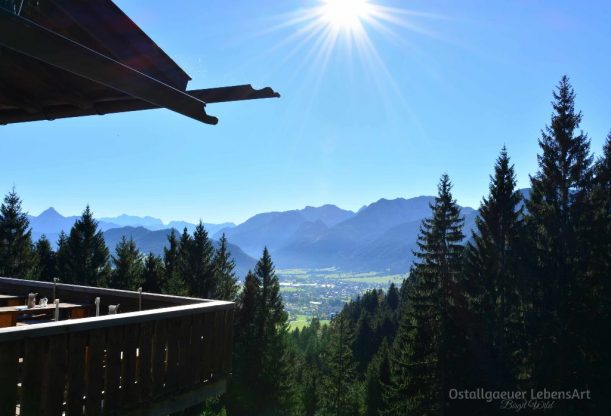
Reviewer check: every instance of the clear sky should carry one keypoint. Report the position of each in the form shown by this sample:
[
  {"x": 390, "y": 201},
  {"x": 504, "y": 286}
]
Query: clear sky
[{"x": 438, "y": 86}]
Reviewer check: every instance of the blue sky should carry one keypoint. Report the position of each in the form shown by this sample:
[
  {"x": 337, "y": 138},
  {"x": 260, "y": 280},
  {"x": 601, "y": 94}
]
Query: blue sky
[{"x": 454, "y": 82}]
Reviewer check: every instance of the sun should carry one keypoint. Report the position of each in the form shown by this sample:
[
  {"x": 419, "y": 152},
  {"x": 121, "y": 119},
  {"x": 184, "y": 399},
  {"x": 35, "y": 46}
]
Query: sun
[{"x": 345, "y": 15}]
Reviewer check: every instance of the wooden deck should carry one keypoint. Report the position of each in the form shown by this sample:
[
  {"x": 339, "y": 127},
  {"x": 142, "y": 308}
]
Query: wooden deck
[{"x": 171, "y": 355}]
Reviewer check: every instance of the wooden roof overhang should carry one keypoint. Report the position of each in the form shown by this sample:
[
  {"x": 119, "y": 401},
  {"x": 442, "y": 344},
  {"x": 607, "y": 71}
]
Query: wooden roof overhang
[{"x": 68, "y": 58}]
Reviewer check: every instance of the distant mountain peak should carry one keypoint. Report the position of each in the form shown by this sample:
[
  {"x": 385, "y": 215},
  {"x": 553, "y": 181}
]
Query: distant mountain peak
[{"x": 50, "y": 212}]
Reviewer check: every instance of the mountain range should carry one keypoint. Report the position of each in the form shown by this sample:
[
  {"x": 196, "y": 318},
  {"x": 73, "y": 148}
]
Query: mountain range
[{"x": 378, "y": 237}]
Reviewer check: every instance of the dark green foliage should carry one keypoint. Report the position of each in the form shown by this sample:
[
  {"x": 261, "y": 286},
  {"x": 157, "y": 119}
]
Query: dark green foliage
[
  {"x": 493, "y": 266},
  {"x": 377, "y": 378},
  {"x": 173, "y": 282},
  {"x": 261, "y": 370},
  {"x": 17, "y": 255},
  {"x": 559, "y": 214},
  {"x": 224, "y": 275},
  {"x": 595, "y": 328},
  {"x": 83, "y": 257},
  {"x": 153, "y": 274},
  {"x": 47, "y": 269},
  {"x": 427, "y": 351},
  {"x": 339, "y": 395},
  {"x": 127, "y": 263},
  {"x": 195, "y": 262}
]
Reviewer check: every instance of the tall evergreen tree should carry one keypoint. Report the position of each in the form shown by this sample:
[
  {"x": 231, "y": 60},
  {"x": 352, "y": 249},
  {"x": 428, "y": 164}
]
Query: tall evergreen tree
[
  {"x": 195, "y": 262},
  {"x": 271, "y": 326},
  {"x": 173, "y": 282},
  {"x": 224, "y": 275},
  {"x": 128, "y": 266},
  {"x": 17, "y": 254},
  {"x": 377, "y": 378},
  {"x": 559, "y": 211},
  {"x": 339, "y": 392},
  {"x": 240, "y": 395},
  {"x": 153, "y": 274},
  {"x": 46, "y": 259},
  {"x": 598, "y": 298},
  {"x": 493, "y": 271},
  {"x": 83, "y": 257},
  {"x": 426, "y": 353}
]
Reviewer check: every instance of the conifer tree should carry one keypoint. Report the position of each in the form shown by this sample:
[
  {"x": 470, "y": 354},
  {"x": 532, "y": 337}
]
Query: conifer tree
[
  {"x": 153, "y": 274},
  {"x": 173, "y": 282},
  {"x": 83, "y": 257},
  {"x": 240, "y": 395},
  {"x": 127, "y": 262},
  {"x": 224, "y": 274},
  {"x": 195, "y": 262},
  {"x": 201, "y": 277},
  {"x": 271, "y": 329},
  {"x": 426, "y": 352},
  {"x": 559, "y": 210},
  {"x": 493, "y": 271},
  {"x": 598, "y": 299},
  {"x": 377, "y": 378},
  {"x": 46, "y": 259},
  {"x": 339, "y": 395},
  {"x": 17, "y": 254}
]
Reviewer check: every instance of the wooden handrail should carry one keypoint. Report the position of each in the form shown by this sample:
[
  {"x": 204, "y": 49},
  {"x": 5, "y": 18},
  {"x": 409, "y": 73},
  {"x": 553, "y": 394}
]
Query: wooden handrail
[{"x": 115, "y": 364}]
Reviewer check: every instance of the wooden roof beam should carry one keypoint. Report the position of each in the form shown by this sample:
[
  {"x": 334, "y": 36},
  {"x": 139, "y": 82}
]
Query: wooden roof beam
[{"x": 31, "y": 39}]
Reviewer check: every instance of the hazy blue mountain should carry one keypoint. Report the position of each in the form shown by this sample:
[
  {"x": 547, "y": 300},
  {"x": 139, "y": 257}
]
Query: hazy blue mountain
[
  {"x": 211, "y": 228},
  {"x": 154, "y": 241},
  {"x": 277, "y": 229},
  {"x": 125, "y": 220},
  {"x": 380, "y": 237},
  {"x": 328, "y": 215},
  {"x": 51, "y": 223}
]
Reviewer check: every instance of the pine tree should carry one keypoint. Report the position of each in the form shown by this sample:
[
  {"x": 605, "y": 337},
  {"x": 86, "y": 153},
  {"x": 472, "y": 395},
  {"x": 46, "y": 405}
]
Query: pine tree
[
  {"x": 240, "y": 394},
  {"x": 224, "y": 274},
  {"x": 339, "y": 394},
  {"x": 426, "y": 352},
  {"x": 559, "y": 211},
  {"x": 83, "y": 257},
  {"x": 127, "y": 262},
  {"x": 46, "y": 259},
  {"x": 377, "y": 378},
  {"x": 271, "y": 329},
  {"x": 202, "y": 273},
  {"x": 17, "y": 254},
  {"x": 392, "y": 297},
  {"x": 598, "y": 298},
  {"x": 493, "y": 271},
  {"x": 195, "y": 262},
  {"x": 173, "y": 283},
  {"x": 153, "y": 274}
]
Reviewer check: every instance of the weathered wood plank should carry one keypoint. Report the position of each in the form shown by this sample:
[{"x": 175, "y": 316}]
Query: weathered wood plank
[
  {"x": 77, "y": 343},
  {"x": 231, "y": 330},
  {"x": 130, "y": 389},
  {"x": 184, "y": 346},
  {"x": 95, "y": 374},
  {"x": 9, "y": 360},
  {"x": 196, "y": 348},
  {"x": 55, "y": 378},
  {"x": 173, "y": 371},
  {"x": 144, "y": 370},
  {"x": 208, "y": 346},
  {"x": 114, "y": 370},
  {"x": 159, "y": 358},
  {"x": 217, "y": 351},
  {"x": 34, "y": 359}
]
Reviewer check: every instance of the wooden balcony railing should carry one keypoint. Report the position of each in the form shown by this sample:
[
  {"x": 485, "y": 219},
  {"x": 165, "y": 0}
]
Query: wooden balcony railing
[{"x": 169, "y": 356}]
